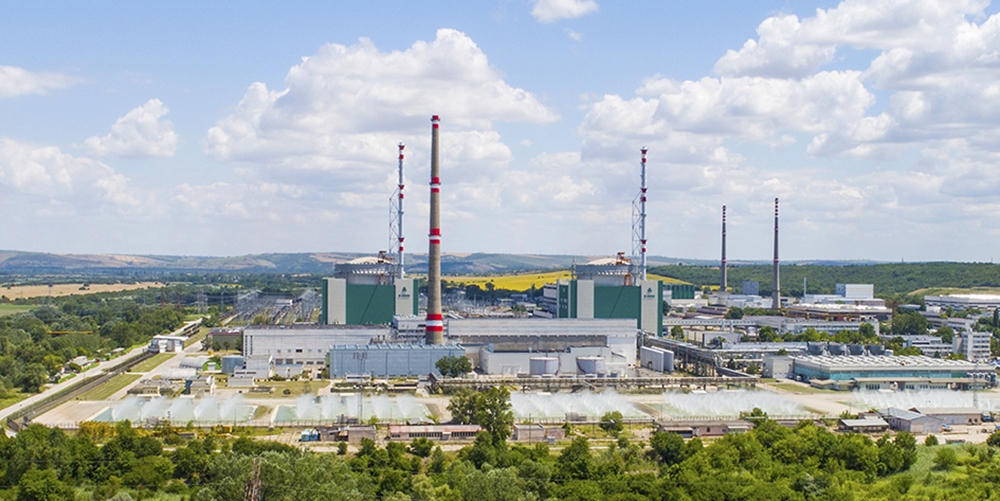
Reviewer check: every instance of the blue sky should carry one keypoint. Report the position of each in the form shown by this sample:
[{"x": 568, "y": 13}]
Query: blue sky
[{"x": 236, "y": 128}]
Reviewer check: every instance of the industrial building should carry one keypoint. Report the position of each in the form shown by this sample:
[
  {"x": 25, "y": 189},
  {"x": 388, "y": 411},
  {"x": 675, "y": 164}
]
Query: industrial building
[
  {"x": 656, "y": 359},
  {"x": 910, "y": 421},
  {"x": 507, "y": 345},
  {"x": 366, "y": 291},
  {"x": 305, "y": 346},
  {"x": 846, "y": 368},
  {"x": 964, "y": 301},
  {"x": 388, "y": 360},
  {"x": 605, "y": 288}
]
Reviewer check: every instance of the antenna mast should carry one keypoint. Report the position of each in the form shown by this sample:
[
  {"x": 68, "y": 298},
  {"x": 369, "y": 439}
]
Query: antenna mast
[
  {"x": 639, "y": 223},
  {"x": 396, "y": 219}
]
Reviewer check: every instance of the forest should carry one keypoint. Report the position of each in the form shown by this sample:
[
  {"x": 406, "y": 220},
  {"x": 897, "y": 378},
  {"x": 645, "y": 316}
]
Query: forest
[
  {"x": 118, "y": 462},
  {"x": 894, "y": 278},
  {"x": 36, "y": 346}
]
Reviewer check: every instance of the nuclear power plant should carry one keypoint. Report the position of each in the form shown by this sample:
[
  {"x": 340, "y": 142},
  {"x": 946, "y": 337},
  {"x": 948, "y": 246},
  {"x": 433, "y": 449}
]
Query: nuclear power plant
[{"x": 590, "y": 323}]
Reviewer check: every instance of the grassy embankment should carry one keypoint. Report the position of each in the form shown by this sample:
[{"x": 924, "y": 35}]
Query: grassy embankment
[
  {"x": 152, "y": 363},
  {"x": 104, "y": 391}
]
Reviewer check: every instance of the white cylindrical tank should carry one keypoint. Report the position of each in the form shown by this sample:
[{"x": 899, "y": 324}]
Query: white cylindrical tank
[
  {"x": 590, "y": 365},
  {"x": 542, "y": 366}
]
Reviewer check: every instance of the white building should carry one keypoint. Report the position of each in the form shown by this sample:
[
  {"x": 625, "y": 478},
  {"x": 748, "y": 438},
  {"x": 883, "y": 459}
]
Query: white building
[
  {"x": 974, "y": 345},
  {"x": 305, "y": 346},
  {"x": 964, "y": 301},
  {"x": 166, "y": 344}
]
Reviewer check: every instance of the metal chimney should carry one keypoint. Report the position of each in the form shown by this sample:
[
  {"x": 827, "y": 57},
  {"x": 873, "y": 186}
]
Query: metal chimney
[
  {"x": 724, "y": 283},
  {"x": 435, "y": 321},
  {"x": 776, "y": 290}
]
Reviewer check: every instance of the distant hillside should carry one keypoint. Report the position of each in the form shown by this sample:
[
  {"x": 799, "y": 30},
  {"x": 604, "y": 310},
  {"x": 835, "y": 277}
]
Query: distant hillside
[
  {"x": 888, "y": 278},
  {"x": 16, "y": 262}
]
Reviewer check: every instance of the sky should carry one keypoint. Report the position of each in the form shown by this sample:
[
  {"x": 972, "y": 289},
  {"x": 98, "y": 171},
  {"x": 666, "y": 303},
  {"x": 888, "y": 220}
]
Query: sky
[{"x": 232, "y": 128}]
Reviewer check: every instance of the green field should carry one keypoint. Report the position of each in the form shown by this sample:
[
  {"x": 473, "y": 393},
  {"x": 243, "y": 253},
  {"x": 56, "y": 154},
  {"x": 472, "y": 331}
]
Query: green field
[
  {"x": 105, "y": 390},
  {"x": 13, "y": 309},
  {"x": 200, "y": 335},
  {"x": 15, "y": 397},
  {"x": 152, "y": 363}
]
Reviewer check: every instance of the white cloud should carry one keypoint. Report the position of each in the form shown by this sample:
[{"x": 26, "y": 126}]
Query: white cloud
[
  {"x": 548, "y": 11},
  {"x": 43, "y": 174},
  {"x": 16, "y": 81},
  {"x": 141, "y": 133},
  {"x": 574, "y": 35}
]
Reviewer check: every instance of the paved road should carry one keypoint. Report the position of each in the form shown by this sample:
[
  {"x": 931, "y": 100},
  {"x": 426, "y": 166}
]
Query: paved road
[{"x": 103, "y": 366}]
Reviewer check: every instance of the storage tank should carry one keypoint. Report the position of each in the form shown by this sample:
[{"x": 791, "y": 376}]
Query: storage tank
[
  {"x": 856, "y": 349},
  {"x": 590, "y": 365},
  {"x": 876, "y": 349},
  {"x": 231, "y": 362},
  {"x": 836, "y": 349},
  {"x": 815, "y": 349},
  {"x": 543, "y": 366}
]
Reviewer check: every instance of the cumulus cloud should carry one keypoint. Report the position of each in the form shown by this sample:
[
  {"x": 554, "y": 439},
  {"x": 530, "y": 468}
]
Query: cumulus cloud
[
  {"x": 907, "y": 137},
  {"x": 141, "y": 133},
  {"x": 334, "y": 127},
  {"x": 16, "y": 81},
  {"x": 45, "y": 173},
  {"x": 548, "y": 11}
]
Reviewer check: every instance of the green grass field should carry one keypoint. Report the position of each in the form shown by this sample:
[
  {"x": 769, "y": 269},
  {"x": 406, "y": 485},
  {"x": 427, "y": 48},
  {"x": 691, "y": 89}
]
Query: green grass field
[
  {"x": 14, "y": 309},
  {"x": 105, "y": 390},
  {"x": 152, "y": 363},
  {"x": 198, "y": 337},
  {"x": 15, "y": 397}
]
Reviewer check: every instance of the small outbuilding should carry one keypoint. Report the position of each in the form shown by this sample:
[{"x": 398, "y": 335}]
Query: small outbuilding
[
  {"x": 913, "y": 422},
  {"x": 867, "y": 425}
]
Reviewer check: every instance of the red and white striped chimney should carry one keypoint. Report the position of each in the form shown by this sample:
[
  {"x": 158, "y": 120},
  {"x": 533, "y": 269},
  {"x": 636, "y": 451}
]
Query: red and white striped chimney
[{"x": 435, "y": 321}]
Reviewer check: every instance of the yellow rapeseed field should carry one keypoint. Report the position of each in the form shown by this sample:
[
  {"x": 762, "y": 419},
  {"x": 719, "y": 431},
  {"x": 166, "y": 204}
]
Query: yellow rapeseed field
[{"x": 525, "y": 281}]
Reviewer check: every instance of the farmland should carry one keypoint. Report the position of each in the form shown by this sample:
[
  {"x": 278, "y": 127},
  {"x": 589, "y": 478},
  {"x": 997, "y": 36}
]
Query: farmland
[{"x": 528, "y": 280}]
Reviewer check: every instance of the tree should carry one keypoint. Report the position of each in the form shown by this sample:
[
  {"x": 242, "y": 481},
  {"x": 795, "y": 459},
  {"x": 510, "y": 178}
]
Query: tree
[
  {"x": 667, "y": 447},
  {"x": 947, "y": 333},
  {"x": 493, "y": 413},
  {"x": 575, "y": 462},
  {"x": 421, "y": 447},
  {"x": 453, "y": 366},
  {"x": 677, "y": 332},
  {"x": 994, "y": 439},
  {"x": 42, "y": 485},
  {"x": 612, "y": 423},
  {"x": 930, "y": 441},
  {"x": 945, "y": 459},
  {"x": 767, "y": 334},
  {"x": 734, "y": 313},
  {"x": 909, "y": 323}
]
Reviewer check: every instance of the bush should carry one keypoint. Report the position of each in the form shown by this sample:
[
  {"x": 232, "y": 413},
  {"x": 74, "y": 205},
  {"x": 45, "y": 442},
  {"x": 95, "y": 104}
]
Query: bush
[
  {"x": 945, "y": 459},
  {"x": 994, "y": 439},
  {"x": 930, "y": 441}
]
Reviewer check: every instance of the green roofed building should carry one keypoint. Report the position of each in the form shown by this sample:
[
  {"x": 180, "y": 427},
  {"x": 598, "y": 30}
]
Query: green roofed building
[{"x": 366, "y": 291}]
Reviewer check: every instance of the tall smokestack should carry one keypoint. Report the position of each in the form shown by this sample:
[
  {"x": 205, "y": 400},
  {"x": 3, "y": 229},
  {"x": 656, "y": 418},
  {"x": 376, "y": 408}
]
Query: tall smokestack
[
  {"x": 435, "y": 321},
  {"x": 724, "y": 284},
  {"x": 399, "y": 217},
  {"x": 776, "y": 290}
]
